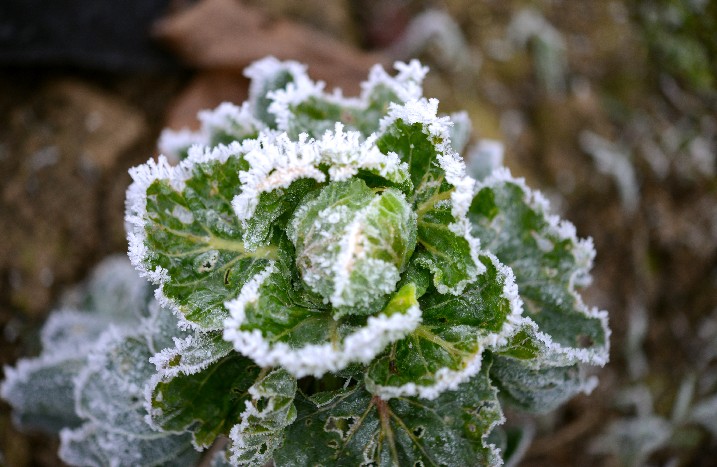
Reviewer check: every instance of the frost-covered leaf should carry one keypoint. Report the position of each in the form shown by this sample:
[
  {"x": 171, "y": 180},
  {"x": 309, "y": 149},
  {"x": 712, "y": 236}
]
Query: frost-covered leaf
[
  {"x": 110, "y": 389},
  {"x": 273, "y": 209},
  {"x": 186, "y": 237},
  {"x": 115, "y": 292},
  {"x": 352, "y": 244},
  {"x": 422, "y": 141},
  {"x": 445, "y": 350},
  {"x": 353, "y": 427},
  {"x": 203, "y": 369},
  {"x": 633, "y": 440},
  {"x": 225, "y": 124},
  {"x": 27, "y": 387},
  {"x": 538, "y": 390},
  {"x": 189, "y": 355},
  {"x": 270, "y": 410},
  {"x": 302, "y": 106},
  {"x": 549, "y": 262},
  {"x": 276, "y": 321},
  {"x": 270, "y": 75},
  {"x": 93, "y": 446}
]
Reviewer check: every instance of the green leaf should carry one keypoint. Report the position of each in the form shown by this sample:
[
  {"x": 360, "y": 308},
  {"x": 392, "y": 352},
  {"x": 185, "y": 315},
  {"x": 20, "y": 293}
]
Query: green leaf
[
  {"x": 548, "y": 261},
  {"x": 267, "y": 75},
  {"x": 352, "y": 244},
  {"x": 270, "y": 411},
  {"x": 204, "y": 369},
  {"x": 188, "y": 238},
  {"x": 445, "y": 350},
  {"x": 422, "y": 141},
  {"x": 276, "y": 321},
  {"x": 356, "y": 428},
  {"x": 273, "y": 210}
]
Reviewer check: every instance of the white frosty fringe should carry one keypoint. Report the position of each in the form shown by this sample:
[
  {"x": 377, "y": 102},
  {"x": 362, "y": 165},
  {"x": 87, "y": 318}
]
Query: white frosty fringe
[
  {"x": 407, "y": 84},
  {"x": 228, "y": 118},
  {"x": 447, "y": 379},
  {"x": 314, "y": 359},
  {"x": 277, "y": 162},
  {"x": 202, "y": 355},
  {"x": 584, "y": 253},
  {"x": 237, "y": 433},
  {"x": 173, "y": 142},
  {"x": 176, "y": 175},
  {"x": 197, "y": 352},
  {"x": 345, "y": 153},
  {"x": 425, "y": 113},
  {"x": 272, "y": 166},
  {"x": 225, "y": 118},
  {"x": 263, "y": 71}
]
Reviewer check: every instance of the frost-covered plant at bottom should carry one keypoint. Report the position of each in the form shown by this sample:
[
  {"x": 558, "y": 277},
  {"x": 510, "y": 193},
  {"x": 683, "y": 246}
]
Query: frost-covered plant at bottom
[{"x": 344, "y": 291}]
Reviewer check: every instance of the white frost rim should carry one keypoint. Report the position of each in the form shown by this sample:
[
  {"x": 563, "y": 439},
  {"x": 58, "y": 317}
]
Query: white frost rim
[
  {"x": 447, "y": 379},
  {"x": 584, "y": 253},
  {"x": 425, "y": 112},
  {"x": 314, "y": 359}
]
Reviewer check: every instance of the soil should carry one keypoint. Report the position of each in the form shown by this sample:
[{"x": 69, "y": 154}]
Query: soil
[{"x": 69, "y": 133}]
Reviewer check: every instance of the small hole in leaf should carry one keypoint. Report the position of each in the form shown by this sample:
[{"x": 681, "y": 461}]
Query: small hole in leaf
[
  {"x": 418, "y": 431},
  {"x": 472, "y": 428},
  {"x": 418, "y": 464},
  {"x": 333, "y": 444},
  {"x": 174, "y": 361},
  {"x": 263, "y": 448},
  {"x": 308, "y": 422},
  {"x": 584, "y": 341}
]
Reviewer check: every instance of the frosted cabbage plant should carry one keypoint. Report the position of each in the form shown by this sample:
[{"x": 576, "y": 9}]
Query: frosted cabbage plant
[{"x": 342, "y": 292}]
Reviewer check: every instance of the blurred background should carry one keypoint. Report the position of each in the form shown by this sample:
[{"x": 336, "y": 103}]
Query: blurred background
[{"x": 608, "y": 106}]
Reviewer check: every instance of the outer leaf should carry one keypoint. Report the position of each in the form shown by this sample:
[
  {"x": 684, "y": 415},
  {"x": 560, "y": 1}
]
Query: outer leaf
[
  {"x": 269, "y": 75},
  {"x": 277, "y": 322},
  {"x": 110, "y": 389},
  {"x": 114, "y": 292},
  {"x": 445, "y": 350},
  {"x": 538, "y": 390},
  {"x": 93, "y": 446},
  {"x": 548, "y": 262},
  {"x": 352, "y": 245},
  {"x": 109, "y": 393},
  {"x": 68, "y": 336},
  {"x": 27, "y": 386},
  {"x": 269, "y": 412},
  {"x": 204, "y": 371},
  {"x": 185, "y": 235},
  {"x": 352, "y": 427},
  {"x": 303, "y": 107},
  {"x": 225, "y": 124}
]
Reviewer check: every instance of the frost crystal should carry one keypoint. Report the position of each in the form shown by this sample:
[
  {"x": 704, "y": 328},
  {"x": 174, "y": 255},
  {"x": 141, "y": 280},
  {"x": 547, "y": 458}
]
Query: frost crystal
[{"x": 337, "y": 240}]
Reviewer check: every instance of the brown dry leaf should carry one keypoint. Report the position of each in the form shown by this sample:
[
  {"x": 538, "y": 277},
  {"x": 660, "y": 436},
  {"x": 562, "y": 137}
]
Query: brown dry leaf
[{"x": 228, "y": 35}]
